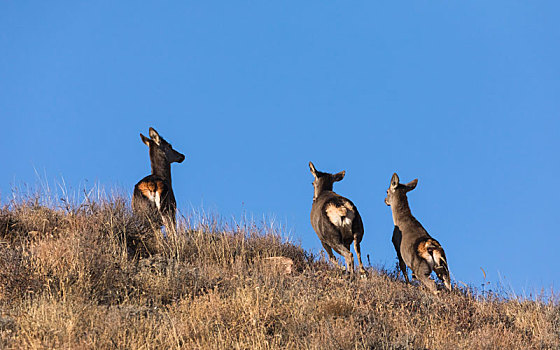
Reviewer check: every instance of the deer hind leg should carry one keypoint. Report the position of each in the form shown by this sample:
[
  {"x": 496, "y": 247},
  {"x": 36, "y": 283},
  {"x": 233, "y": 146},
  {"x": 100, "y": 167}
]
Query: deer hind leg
[
  {"x": 359, "y": 256},
  {"x": 332, "y": 258},
  {"x": 144, "y": 211},
  {"x": 348, "y": 256},
  {"x": 423, "y": 273},
  {"x": 443, "y": 275},
  {"x": 447, "y": 281}
]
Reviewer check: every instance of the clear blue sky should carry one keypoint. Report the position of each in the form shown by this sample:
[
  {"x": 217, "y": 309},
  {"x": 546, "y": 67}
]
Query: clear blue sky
[{"x": 462, "y": 95}]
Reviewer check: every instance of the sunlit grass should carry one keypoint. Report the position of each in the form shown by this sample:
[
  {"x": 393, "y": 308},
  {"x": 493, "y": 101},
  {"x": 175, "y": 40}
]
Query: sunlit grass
[{"x": 81, "y": 272}]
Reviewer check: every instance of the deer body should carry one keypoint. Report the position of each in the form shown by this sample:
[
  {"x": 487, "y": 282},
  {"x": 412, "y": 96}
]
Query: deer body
[
  {"x": 153, "y": 195},
  {"x": 414, "y": 246},
  {"x": 336, "y": 220}
]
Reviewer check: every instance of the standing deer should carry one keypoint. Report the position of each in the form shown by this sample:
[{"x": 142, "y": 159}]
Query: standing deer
[
  {"x": 336, "y": 220},
  {"x": 415, "y": 247},
  {"x": 153, "y": 196}
]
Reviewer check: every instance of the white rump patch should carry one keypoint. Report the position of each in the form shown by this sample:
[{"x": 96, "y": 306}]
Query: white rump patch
[
  {"x": 340, "y": 216},
  {"x": 154, "y": 197},
  {"x": 152, "y": 191}
]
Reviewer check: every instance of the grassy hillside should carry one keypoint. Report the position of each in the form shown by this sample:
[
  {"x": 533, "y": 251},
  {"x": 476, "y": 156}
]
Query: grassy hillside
[{"x": 91, "y": 277}]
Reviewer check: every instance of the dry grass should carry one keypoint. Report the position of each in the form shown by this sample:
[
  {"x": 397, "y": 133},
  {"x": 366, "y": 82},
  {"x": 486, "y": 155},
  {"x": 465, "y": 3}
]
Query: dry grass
[{"x": 92, "y": 277}]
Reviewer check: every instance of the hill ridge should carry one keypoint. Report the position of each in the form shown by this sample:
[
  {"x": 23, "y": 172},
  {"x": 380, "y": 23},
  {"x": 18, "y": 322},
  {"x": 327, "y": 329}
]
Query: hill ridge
[{"x": 91, "y": 276}]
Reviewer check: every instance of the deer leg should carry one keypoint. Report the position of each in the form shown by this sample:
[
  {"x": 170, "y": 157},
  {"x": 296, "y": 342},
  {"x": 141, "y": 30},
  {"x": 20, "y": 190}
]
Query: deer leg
[
  {"x": 348, "y": 256},
  {"x": 168, "y": 218},
  {"x": 423, "y": 275},
  {"x": 359, "y": 255},
  {"x": 447, "y": 281},
  {"x": 443, "y": 275},
  {"x": 330, "y": 253},
  {"x": 402, "y": 266}
]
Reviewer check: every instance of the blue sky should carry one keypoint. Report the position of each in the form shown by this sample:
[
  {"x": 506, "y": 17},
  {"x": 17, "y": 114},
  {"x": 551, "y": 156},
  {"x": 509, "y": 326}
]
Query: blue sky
[{"x": 463, "y": 96}]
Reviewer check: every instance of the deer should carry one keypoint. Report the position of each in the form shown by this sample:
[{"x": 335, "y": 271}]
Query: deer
[
  {"x": 153, "y": 195},
  {"x": 336, "y": 220},
  {"x": 414, "y": 246}
]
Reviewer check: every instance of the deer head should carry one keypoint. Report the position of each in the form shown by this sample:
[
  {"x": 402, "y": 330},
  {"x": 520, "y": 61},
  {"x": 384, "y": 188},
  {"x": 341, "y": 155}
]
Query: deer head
[
  {"x": 324, "y": 181},
  {"x": 161, "y": 149},
  {"x": 398, "y": 191}
]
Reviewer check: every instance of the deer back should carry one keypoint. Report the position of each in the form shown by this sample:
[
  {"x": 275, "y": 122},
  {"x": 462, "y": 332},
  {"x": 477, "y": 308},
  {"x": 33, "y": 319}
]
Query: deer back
[{"x": 335, "y": 218}]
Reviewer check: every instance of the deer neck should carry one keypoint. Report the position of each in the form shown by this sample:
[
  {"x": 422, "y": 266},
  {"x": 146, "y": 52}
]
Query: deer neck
[
  {"x": 161, "y": 167},
  {"x": 321, "y": 190},
  {"x": 401, "y": 211}
]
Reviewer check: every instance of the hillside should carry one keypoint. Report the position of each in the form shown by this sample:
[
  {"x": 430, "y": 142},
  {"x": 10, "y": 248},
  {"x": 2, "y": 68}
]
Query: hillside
[{"x": 90, "y": 276}]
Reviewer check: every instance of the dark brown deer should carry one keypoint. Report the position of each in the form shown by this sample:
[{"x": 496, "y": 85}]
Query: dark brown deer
[
  {"x": 415, "y": 247},
  {"x": 336, "y": 220},
  {"x": 153, "y": 195}
]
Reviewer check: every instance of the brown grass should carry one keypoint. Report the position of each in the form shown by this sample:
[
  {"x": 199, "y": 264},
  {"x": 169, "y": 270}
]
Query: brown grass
[{"x": 93, "y": 277}]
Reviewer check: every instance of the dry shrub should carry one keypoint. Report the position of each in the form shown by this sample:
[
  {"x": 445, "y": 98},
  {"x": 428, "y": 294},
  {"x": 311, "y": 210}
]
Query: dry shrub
[
  {"x": 93, "y": 276},
  {"x": 30, "y": 221}
]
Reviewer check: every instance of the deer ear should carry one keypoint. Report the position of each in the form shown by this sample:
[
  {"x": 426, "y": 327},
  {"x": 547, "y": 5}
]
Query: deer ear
[
  {"x": 394, "y": 181},
  {"x": 145, "y": 140},
  {"x": 411, "y": 185},
  {"x": 339, "y": 176},
  {"x": 155, "y": 136},
  {"x": 313, "y": 170}
]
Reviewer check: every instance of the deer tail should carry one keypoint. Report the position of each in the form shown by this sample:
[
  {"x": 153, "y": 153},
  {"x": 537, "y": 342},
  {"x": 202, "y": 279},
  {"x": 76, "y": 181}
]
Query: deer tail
[
  {"x": 432, "y": 251},
  {"x": 439, "y": 258},
  {"x": 440, "y": 262}
]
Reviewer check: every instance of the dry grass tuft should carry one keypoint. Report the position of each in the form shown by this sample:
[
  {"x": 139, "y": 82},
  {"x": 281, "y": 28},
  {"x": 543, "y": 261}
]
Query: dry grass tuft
[{"x": 92, "y": 276}]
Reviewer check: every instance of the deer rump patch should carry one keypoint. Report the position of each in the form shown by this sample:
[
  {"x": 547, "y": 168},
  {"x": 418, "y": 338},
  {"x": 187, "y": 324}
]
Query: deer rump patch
[
  {"x": 431, "y": 251},
  {"x": 153, "y": 191},
  {"x": 340, "y": 214}
]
